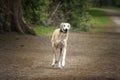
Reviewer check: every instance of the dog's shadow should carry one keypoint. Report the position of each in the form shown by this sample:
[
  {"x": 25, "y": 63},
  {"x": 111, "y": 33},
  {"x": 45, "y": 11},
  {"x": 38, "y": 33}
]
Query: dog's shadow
[{"x": 49, "y": 67}]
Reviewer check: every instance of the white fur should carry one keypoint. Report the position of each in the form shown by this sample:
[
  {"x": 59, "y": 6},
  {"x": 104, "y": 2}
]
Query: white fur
[
  {"x": 63, "y": 57},
  {"x": 53, "y": 62}
]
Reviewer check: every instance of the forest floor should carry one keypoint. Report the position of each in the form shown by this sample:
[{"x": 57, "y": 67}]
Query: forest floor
[{"x": 90, "y": 56}]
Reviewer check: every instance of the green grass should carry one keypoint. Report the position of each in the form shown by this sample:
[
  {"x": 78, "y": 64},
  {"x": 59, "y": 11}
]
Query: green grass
[
  {"x": 100, "y": 18},
  {"x": 44, "y": 30}
]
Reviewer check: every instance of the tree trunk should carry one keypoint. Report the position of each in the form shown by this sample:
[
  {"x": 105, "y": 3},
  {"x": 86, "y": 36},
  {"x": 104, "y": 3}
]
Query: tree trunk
[{"x": 14, "y": 21}]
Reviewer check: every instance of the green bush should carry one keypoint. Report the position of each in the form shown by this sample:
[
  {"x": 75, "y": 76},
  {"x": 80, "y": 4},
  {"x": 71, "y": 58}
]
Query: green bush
[
  {"x": 80, "y": 18},
  {"x": 82, "y": 23}
]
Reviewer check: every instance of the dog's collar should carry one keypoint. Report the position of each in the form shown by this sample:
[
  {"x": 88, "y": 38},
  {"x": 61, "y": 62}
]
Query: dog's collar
[{"x": 62, "y": 31}]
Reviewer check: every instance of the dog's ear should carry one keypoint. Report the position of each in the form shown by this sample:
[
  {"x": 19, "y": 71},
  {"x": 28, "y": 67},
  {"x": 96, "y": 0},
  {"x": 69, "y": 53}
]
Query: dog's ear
[
  {"x": 61, "y": 25},
  {"x": 69, "y": 25}
]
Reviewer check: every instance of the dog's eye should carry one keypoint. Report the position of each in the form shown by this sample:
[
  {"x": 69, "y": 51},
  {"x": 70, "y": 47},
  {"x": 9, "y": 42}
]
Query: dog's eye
[{"x": 64, "y": 25}]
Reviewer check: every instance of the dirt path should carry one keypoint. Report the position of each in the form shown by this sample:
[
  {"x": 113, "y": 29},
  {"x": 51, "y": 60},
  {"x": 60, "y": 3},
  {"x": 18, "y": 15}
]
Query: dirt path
[
  {"x": 115, "y": 16},
  {"x": 89, "y": 57}
]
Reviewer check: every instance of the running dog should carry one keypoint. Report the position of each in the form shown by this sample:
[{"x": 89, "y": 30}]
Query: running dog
[{"x": 59, "y": 41}]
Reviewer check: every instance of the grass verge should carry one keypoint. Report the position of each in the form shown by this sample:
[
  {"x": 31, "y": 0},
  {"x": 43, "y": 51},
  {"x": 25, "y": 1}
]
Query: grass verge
[
  {"x": 44, "y": 30},
  {"x": 100, "y": 18}
]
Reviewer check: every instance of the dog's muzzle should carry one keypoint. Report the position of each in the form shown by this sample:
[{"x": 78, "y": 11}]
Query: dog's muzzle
[{"x": 65, "y": 30}]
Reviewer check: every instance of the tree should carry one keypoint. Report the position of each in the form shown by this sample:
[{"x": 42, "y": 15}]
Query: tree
[
  {"x": 78, "y": 15},
  {"x": 12, "y": 17}
]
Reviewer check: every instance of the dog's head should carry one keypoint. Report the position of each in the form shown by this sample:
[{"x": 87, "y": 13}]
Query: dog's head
[{"x": 64, "y": 27}]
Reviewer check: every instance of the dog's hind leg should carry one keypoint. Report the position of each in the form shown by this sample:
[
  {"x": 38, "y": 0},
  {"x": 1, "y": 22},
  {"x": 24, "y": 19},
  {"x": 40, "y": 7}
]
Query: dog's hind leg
[{"x": 54, "y": 57}]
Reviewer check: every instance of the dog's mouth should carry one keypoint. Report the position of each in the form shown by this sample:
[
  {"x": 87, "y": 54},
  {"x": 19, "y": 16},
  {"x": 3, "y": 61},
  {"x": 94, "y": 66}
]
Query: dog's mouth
[{"x": 65, "y": 30}]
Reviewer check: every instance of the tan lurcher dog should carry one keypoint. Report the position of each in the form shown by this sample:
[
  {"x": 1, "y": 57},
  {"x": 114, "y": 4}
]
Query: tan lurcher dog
[{"x": 59, "y": 41}]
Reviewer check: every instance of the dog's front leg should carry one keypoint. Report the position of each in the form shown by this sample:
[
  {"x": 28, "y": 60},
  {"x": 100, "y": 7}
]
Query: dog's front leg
[
  {"x": 64, "y": 56},
  {"x": 54, "y": 57},
  {"x": 64, "y": 53}
]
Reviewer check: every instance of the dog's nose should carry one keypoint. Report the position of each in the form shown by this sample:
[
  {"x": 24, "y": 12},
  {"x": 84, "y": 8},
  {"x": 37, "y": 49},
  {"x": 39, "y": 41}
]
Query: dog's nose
[{"x": 66, "y": 30}]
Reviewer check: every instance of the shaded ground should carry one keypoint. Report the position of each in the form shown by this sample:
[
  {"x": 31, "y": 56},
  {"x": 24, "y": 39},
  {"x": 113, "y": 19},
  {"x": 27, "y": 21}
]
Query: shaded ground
[{"x": 89, "y": 57}]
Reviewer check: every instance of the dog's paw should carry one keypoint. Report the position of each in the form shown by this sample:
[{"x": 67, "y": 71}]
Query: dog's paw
[
  {"x": 63, "y": 63},
  {"x": 60, "y": 67},
  {"x": 53, "y": 65}
]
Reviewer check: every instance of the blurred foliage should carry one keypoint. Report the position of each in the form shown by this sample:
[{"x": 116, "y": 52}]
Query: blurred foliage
[
  {"x": 1, "y": 16},
  {"x": 117, "y": 2},
  {"x": 53, "y": 12},
  {"x": 79, "y": 17},
  {"x": 35, "y": 11},
  {"x": 100, "y": 3}
]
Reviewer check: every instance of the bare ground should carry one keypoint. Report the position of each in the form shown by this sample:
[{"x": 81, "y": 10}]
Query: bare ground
[{"x": 89, "y": 57}]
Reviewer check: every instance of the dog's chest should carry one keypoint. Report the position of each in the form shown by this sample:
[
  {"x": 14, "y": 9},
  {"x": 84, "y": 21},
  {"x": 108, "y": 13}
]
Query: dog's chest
[
  {"x": 62, "y": 36},
  {"x": 61, "y": 40}
]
